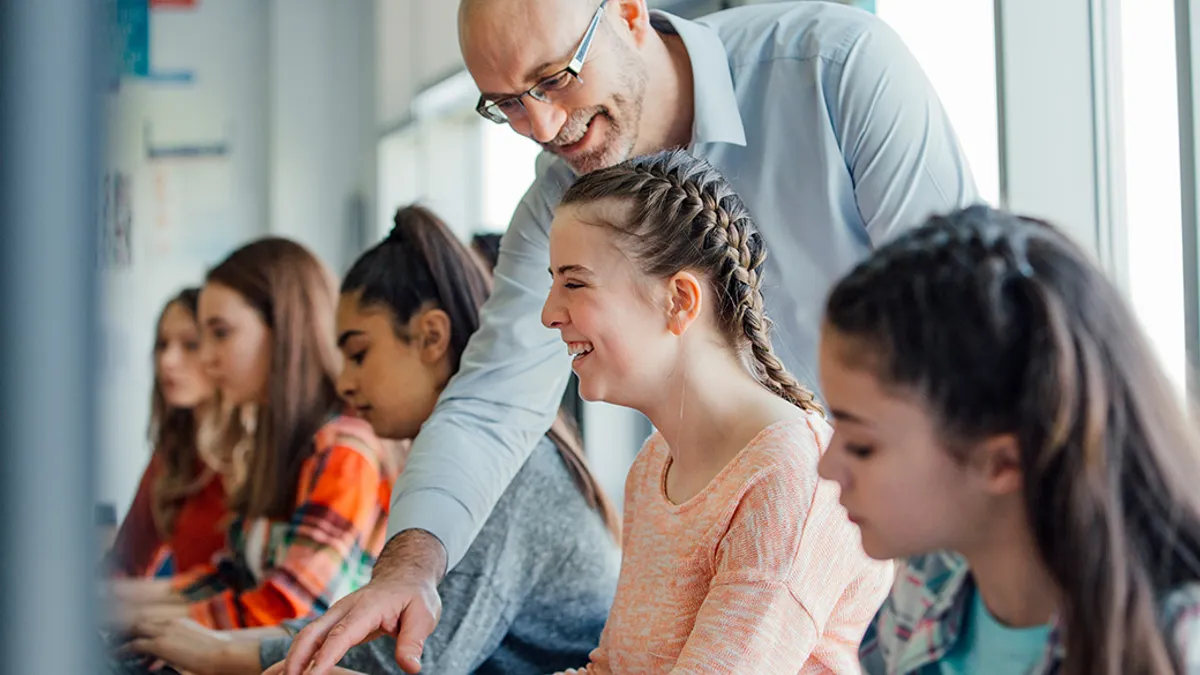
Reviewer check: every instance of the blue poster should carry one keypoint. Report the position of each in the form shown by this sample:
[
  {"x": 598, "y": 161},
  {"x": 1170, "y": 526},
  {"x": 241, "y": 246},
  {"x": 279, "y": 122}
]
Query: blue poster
[{"x": 133, "y": 36}]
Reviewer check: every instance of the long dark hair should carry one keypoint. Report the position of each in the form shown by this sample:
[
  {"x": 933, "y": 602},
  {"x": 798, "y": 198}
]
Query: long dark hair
[
  {"x": 295, "y": 295},
  {"x": 172, "y": 434},
  {"x": 421, "y": 264},
  {"x": 1003, "y": 326},
  {"x": 684, "y": 215}
]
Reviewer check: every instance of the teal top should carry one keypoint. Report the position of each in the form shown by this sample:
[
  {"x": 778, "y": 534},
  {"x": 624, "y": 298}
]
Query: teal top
[{"x": 988, "y": 646}]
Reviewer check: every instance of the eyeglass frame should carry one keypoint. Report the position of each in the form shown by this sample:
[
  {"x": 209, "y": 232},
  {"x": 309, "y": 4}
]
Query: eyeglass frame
[{"x": 573, "y": 69}]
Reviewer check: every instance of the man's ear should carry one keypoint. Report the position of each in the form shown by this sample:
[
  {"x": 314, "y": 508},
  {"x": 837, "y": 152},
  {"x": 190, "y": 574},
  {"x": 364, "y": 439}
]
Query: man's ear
[{"x": 634, "y": 17}]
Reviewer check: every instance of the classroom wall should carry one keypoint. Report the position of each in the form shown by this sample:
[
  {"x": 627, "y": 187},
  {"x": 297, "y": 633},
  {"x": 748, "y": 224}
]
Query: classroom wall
[{"x": 257, "y": 117}]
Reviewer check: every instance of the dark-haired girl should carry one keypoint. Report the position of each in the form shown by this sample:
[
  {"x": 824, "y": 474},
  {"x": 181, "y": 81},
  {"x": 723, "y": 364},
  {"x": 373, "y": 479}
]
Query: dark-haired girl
[{"x": 1003, "y": 425}]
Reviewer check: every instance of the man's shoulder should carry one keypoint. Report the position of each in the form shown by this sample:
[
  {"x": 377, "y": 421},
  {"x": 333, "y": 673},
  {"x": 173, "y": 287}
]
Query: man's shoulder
[
  {"x": 552, "y": 177},
  {"x": 803, "y": 30}
]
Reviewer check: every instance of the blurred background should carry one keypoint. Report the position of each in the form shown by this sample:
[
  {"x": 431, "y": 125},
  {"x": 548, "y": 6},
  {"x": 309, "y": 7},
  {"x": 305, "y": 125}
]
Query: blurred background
[{"x": 225, "y": 120}]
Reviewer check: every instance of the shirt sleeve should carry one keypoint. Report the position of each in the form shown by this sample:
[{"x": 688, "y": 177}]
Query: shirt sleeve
[
  {"x": 476, "y": 616},
  {"x": 377, "y": 656},
  {"x": 903, "y": 154},
  {"x": 322, "y": 546},
  {"x": 505, "y": 395},
  {"x": 781, "y": 568},
  {"x": 137, "y": 542}
]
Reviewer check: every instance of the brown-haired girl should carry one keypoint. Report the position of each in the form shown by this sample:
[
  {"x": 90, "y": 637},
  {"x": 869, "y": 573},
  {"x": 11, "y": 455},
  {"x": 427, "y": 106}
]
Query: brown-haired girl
[
  {"x": 178, "y": 514},
  {"x": 312, "y": 495}
]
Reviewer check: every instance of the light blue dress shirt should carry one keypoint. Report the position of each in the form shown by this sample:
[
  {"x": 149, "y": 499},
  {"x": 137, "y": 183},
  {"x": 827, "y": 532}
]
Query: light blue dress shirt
[{"x": 827, "y": 127}]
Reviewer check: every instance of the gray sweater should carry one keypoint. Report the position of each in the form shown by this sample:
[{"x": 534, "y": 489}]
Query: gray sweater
[{"x": 531, "y": 595}]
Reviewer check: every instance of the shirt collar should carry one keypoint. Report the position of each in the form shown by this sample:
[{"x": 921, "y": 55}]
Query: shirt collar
[
  {"x": 949, "y": 590},
  {"x": 717, "y": 118},
  {"x": 945, "y": 591}
]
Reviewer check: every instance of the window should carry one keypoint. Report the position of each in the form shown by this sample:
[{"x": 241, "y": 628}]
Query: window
[
  {"x": 1152, "y": 184},
  {"x": 508, "y": 170},
  {"x": 961, "y": 64}
]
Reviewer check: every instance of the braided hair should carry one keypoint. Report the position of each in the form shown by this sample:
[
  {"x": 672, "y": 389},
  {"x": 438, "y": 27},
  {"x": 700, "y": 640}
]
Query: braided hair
[
  {"x": 1001, "y": 325},
  {"x": 685, "y": 215}
]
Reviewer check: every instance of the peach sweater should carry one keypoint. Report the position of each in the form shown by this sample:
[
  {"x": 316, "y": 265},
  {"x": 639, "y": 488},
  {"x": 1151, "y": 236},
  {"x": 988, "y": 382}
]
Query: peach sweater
[{"x": 761, "y": 572}]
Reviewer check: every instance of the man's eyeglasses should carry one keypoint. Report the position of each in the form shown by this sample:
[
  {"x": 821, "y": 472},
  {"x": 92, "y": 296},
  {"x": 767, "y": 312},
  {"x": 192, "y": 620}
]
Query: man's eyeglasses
[{"x": 510, "y": 107}]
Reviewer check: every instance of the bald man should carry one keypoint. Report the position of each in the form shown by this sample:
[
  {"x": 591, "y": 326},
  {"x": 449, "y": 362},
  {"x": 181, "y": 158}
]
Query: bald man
[{"x": 817, "y": 114}]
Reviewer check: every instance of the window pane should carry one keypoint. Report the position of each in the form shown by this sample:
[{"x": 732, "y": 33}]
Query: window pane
[
  {"x": 961, "y": 64},
  {"x": 1151, "y": 130},
  {"x": 508, "y": 170}
]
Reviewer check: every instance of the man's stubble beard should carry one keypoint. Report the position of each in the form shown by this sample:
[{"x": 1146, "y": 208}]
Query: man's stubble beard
[{"x": 622, "y": 136}]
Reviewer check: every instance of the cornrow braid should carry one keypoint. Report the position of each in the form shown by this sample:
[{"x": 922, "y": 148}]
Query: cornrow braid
[{"x": 685, "y": 215}]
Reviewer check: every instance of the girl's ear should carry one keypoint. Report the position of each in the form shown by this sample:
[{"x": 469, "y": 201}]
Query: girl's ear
[
  {"x": 685, "y": 299},
  {"x": 431, "y": 334},
  {"x": 1000, "y": 461}
]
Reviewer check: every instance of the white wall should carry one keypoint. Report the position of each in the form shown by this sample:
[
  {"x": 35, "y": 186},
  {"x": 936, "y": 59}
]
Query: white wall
[
  {"x": 322, "y": 125},
  {"x": 288, "y": 87},
  {"x": 417, "y": 46},
  {"x": 185, "y": 212}
]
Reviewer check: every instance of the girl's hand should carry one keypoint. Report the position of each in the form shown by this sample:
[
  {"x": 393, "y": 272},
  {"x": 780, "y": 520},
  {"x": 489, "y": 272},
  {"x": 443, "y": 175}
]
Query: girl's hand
[{"x": 188, "y": 646}]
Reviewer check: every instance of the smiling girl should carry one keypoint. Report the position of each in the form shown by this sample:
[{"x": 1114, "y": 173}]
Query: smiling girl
[{"x": 737, "y": 559}]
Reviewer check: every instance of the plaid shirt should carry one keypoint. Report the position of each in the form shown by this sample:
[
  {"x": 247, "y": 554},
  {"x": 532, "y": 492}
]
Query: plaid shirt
[
  {"x": 278, "y": 570},
  {"x": 923, "y": 618}
]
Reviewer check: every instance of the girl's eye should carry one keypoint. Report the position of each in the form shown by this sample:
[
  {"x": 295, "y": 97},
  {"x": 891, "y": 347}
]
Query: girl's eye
[
  {"x": 357, "y": 359},
  {"x": 859, "y": 451}
]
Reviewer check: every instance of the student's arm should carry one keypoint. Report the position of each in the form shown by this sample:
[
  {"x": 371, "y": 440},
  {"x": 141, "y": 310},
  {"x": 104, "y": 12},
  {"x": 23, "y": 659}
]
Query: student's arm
[
  {"x": 137, "y": 540},
  {"x": 901, "y": 149},
  {"x": 341, "y": 504},
  {"x": 193, "y": 648},
  {"x": 786, "y": 560}
]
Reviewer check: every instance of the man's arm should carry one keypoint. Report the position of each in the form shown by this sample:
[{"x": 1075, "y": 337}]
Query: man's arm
[
  {"x": 485, "y": 426},
  {"x": 505, "y": 395},
  {"x": 480, "y": 599},
  {"x": 902, "y": 152}
]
